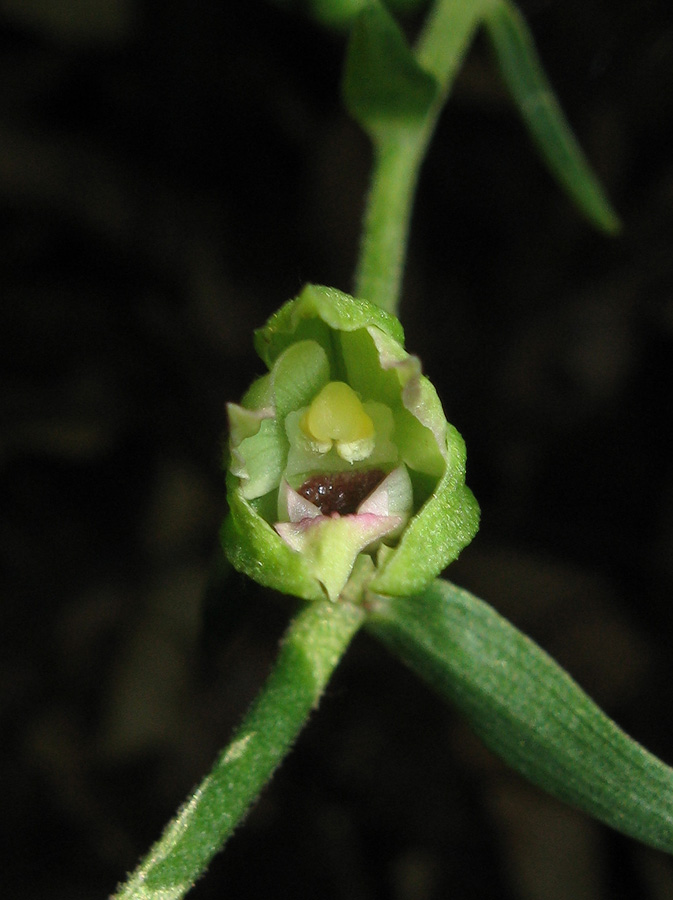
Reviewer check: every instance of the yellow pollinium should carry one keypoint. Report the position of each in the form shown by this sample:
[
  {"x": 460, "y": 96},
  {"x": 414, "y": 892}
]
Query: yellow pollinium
[{"x": 337, "y": 416}]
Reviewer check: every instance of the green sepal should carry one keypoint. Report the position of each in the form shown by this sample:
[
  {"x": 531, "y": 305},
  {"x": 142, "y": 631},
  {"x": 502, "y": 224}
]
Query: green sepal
[
  {"x": 527, "y": 709},
  {"x": 384, "y": 86},
  {"x": 523, "y": 73},
  {"x": 434, "y": 537},
  {"x": 254, "y": 548},
  {"x": 316, "y": 314}
]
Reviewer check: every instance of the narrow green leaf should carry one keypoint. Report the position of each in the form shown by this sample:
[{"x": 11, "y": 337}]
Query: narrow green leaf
[
  {"x": 383, "y": 86},
  {"x": 523, "y": 73},
  {"x": 528, "y": 710}
]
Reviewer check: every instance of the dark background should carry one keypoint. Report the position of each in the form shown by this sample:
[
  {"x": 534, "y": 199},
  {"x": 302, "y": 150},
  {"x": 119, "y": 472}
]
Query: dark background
[{"x": 170, "y": 173}]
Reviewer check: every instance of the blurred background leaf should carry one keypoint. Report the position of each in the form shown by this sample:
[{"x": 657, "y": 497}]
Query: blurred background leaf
[
  {"x": 384, "y": 88},
  {"x": 341, "y": 13},
  {"x": 538, "y": 105},
  {"x": 78, "y": 22}
]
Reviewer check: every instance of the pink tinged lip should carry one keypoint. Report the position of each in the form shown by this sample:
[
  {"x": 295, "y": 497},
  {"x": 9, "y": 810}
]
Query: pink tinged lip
[
  {"x": 330, "y": 544},
  {"x": 298, "y": 508},
  {"x": 366, "y": 528},
  {"x": 373, "y": 520},
  {"x": 391, "y": 497}
]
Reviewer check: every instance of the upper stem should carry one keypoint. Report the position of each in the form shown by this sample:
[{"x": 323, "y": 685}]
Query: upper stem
[
  {"x": 399, "y": 153},
  {"x": 386, "y": 225},
  {"x": 313, "y": 645}
]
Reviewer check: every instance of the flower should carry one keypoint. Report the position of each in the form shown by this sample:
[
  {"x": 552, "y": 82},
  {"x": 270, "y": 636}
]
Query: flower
[{"x": 343, "y": 449}]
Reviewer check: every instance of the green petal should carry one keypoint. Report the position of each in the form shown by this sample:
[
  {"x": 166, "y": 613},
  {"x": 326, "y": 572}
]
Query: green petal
[
  {"x": 419, "y": 395},
  {"x": 258, "y": 461},
  {"x": 436, "y": 534},
  {"x": 417, "y": 444},
  {"x": 298, "y": 375},
  {"x": 420, "y": 420},
  {"x": 245, "y": 422},
  {"x": 259, "y": 394},
  {"x": 254, "y": 548},
  {"x": 362, "y": 362}
]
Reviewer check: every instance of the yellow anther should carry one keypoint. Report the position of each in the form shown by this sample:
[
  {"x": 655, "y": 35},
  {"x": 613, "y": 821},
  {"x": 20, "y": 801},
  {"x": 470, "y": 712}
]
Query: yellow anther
[{"x": 337, "y": 415}]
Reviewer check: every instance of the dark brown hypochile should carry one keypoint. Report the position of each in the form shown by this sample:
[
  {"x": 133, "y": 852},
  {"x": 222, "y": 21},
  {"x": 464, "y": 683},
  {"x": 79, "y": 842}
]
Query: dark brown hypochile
[{"x": 340, "y": 492}]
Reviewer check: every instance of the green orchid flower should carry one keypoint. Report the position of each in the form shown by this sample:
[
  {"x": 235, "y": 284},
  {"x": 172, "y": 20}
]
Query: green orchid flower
[{"x": 343, "y": 449}]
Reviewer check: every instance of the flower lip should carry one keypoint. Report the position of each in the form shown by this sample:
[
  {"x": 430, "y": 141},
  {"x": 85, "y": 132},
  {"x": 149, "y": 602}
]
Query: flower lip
[
  {"x": 331, "y": 543},
  {"x": 388, "y": 497},
  {"x": 340, "y": 492}
]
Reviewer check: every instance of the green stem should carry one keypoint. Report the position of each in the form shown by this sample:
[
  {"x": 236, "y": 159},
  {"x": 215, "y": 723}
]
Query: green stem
[
  {"x": 387, "y": 217},
  {"x": 399, "y": 153},
  {"x": 313, "y": 645}
]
